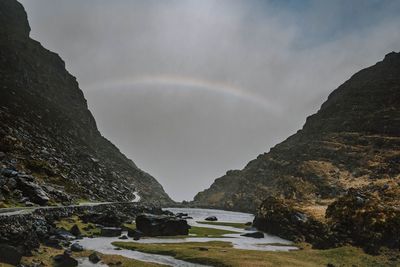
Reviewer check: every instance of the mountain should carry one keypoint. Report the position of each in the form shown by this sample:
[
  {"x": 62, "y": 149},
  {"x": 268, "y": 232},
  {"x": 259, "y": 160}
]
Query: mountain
[
  {"x": 353, "y": 141},
  {"x": 50, "y": 148}
]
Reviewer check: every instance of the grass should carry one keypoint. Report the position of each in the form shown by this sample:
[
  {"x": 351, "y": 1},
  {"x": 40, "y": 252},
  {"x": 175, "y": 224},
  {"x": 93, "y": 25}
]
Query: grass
[
  {"x": 129, "y": 226},
  {"x": 209, "y": 232},
  {"x": 231, "y": 224},
  {"x": 217, "y": 253},
  {"x": 44, "y": 255},
  {"x": 194, "y": 231},
  {"x": 67, "y": 224}
]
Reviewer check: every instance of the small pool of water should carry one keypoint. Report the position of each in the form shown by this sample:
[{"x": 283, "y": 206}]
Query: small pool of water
[{"x": 268, "y": 243}]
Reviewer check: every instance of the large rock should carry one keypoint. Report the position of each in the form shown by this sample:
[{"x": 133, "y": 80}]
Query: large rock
[
  {"x": 277, "y": 217},
  {"x": 10, "y": 254},
  {"x": 110, "y": 231},
  {"x": 161, "y": 225},
  {"x": 33, "y": 191},
  {"x": 65, "y": 260}
]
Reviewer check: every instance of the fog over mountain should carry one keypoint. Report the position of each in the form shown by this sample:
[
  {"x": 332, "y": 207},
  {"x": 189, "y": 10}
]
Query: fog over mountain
[{"x": 190, "y": 89}]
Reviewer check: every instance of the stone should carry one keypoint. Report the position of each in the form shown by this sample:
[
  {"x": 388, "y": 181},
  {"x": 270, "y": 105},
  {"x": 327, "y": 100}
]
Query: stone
[
  {"x": 75, "y": 247},
  {"x": 65, "y": 260},
  {"x": 248, "y": 223},
  {"x": 10, "y": 254},
  {"x": 254, "y": 235},
  {"x": 180, "y": 215},
  {"x": 110, "y": 231},
  {"x": 32, "y": 190},
  {"x": 123, "y": 237},
  {"x": 94, "y": 258},
  {"x": 9, "y": 173},
  {"x": 211, "y": 218},
  {"x": 161, "y": 225},
  {"x": 136, "y": 234},
  {"x": 75, "y": 230}
]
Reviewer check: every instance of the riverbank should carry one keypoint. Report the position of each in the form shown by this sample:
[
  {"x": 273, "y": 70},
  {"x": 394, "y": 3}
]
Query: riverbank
[{"x": 209, "y": 243}]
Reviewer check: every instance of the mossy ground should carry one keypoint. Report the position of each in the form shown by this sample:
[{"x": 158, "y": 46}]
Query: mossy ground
[
  {"x": 87, "y": 229},
  {"x": 44, "y": 255},
  {"x": 217, "y": 253}
]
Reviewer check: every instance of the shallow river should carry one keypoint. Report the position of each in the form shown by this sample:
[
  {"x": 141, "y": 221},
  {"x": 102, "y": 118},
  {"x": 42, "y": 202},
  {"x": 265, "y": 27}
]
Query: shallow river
[{"x": 268, "y": 243}]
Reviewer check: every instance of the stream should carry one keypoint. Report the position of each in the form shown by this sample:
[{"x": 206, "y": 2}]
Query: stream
[{"x": 268, "y": 243}]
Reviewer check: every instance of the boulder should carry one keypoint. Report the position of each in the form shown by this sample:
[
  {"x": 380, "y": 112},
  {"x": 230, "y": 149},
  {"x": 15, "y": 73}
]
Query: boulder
[
  {"x": 123, "y": 237},
  {"x": 254, "y": 235},
  {"x": 75, "y": 230},
  {"x": 64, "y": 234},
  {"x": 161, "y": 225},
  {"x": 65, "y": 260},
  {"x": 211, "y": 218},
  {"x": 10, "y": 254},
  {"x": 32, "y": 190},
  {"x": 180, "y": 215},
  {"x": 136, "y": 234},
  {"x": 110, "y": 231},
  {"x": 75, "y": 247},
  {"x": 109, "y": 218},
  {"x": 94, "y": 258}
]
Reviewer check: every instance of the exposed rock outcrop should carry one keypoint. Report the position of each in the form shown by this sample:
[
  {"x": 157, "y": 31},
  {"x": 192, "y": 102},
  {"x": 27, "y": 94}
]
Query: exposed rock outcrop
[
  {"x": 48, "y": 133},
  {"x": 161, "y": 225}
]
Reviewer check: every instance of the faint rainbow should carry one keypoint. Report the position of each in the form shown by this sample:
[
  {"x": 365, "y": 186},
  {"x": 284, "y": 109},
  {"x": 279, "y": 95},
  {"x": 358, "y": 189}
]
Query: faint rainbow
[{"x": 188, "y": 83}]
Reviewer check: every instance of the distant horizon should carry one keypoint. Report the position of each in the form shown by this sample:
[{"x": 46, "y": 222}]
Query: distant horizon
[{"x": 191, "y": 89}]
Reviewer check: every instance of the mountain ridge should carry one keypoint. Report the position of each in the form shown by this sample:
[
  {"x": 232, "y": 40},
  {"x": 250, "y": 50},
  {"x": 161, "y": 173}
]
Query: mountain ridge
[
  {"x": 353, "y": 140},
  {"x": 48, "y": 137}
]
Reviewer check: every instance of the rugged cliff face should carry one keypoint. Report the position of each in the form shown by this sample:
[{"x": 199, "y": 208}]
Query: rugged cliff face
[
  {"x": 50, "y": 147},
  {"x": 352, "y": 141}
]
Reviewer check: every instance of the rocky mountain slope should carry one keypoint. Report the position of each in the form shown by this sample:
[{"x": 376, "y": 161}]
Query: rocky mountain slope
[
  {"x": 50, "y": 148},
  {"x": 353, "y": 141}
]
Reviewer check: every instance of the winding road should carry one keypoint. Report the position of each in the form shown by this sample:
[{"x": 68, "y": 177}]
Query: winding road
[{"x": 26, "y": 210}]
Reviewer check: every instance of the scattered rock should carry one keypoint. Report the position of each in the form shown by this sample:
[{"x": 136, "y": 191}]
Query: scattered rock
[
  {"x": 75, "y": 230},
  {"x": 94, "y": 257},
  {"x": 211, "y": 218},
  {"x": 254, "y": 235},
  {"x": 32, "y": 190},
  {"x": 136, "y": 234},
  {"x": 75, "y": 247},
  {"x": 180, "y": 215},
  {"x": 65, "y": 260}
]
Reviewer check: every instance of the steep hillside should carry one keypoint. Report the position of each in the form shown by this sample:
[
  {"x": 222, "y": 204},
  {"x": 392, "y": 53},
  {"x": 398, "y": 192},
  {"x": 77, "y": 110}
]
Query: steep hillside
[
  {"x": 352, "y": 141},
  {"x": 50, "y": 147}
]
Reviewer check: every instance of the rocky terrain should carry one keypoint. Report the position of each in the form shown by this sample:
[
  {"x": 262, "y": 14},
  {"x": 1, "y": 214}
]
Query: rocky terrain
[
  {"x": 50, "y": 148},
  {"x": 353, "y": 141}
]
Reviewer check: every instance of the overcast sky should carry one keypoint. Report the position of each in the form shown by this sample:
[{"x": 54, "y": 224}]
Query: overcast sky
[{"x": 189, "y": 89}]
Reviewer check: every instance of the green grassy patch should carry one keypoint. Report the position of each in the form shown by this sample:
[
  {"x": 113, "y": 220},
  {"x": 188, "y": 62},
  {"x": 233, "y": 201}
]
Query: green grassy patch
[
  {"x": 129, "y": 226},
  {"x": 209, "y": 232},
  {"x": 231, "y": 224},
  {"x": 87, "y": 229},
  {"x": 45, "y": 255},
  {"x": 218, "y": 253}
]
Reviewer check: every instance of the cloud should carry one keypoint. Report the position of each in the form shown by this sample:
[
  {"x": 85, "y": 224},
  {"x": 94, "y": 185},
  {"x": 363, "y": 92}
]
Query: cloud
[{"x": 288, "y": 53}]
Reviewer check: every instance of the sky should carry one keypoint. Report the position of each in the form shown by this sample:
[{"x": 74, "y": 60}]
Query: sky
[{"x": 189, "y": 89}]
